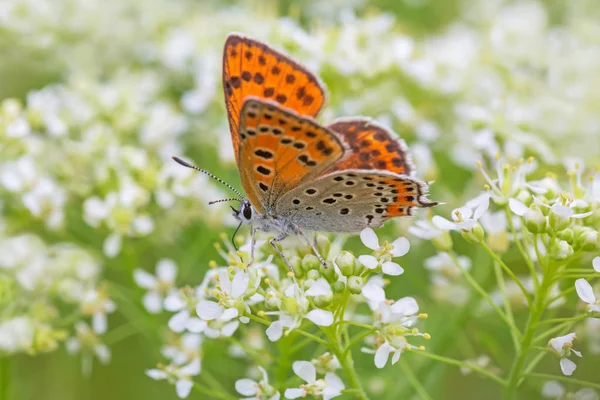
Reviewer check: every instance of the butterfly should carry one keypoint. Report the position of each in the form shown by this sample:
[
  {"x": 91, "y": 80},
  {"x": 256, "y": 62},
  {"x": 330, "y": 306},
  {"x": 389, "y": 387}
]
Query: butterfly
[{"x": 300, "y": 176}]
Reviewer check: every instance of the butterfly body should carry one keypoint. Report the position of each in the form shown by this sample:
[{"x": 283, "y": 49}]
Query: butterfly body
[{"x": 299, "y": 175}]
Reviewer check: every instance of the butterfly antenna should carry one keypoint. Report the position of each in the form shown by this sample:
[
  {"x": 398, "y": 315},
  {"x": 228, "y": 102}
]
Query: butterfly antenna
[
  {"x": 221, "y": 201},
  {"x": 186, "y": 164},
  {"x": 233, "y": 237}
]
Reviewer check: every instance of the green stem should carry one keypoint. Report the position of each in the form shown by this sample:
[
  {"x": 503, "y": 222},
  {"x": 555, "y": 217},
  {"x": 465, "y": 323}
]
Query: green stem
[
  {"x": 566, "y": 379},
  {"x": 347, "y": 363},
  {"x": 358, "y": 338},
  {"x": 535, "y": 315},
  {"x": 507, "y": 306},
  {"x": 560, "y": 320},
  {"x": 462, "y": 364},
  {"x": 508, "y": 271},
  {"x": 409, "y": 374}
]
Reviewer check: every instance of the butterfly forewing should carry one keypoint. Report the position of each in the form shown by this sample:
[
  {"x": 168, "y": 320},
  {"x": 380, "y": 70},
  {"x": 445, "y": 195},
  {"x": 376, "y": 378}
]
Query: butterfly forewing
[
  {"x": 372, "y": 147},
  {"x": 251, "y": 68},
  {"x": 280, "y": 149},
  {"x": 351, "y": 200}
]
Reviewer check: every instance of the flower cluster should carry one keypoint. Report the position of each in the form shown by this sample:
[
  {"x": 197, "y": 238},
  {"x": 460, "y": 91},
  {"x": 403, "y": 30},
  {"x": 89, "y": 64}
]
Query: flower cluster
[{"x": 312, "y": 300}]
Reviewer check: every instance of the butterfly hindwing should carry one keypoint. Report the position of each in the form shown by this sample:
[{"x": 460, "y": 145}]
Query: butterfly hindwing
[
  {"x": 372, "y": 147},
  {"x": 280, "y": 149},
  {"x": 351, "y": 200},
  {"x": 251, "y": 68}
]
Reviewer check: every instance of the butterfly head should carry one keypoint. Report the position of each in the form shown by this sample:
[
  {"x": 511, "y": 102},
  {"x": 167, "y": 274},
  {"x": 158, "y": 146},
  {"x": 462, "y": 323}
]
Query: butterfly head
[{"x": 245, "y": 214}]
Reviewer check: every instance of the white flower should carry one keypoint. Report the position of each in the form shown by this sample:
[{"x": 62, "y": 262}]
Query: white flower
[
  {"x": 184, "y": 303},
  {"x": 230, "y": 296},
  {"x": 183, "y": 349},
  {"x": 562, "y": 345},
  {"x": 320, "y": 288},
  {"x": 16, "y": 335},
  {"x": 329, "y": 387},
  {"x": 159, "y": 286},
  {"x": 555, "y": 390},
  {"x": 586, "y": 294},
  {"x": 89, "y": 344},
  {"x": 397, "y": 248},
  {"x": 596, "y": 264},
  {"x": 257, "y": 390},
  {"x": 464, "y": 218},
  {"x": 180, "y": 376},
  {"x": 97, "y": 304},
  {"x": 299, "y": 298},
  {"x": 425, "y": 229}
]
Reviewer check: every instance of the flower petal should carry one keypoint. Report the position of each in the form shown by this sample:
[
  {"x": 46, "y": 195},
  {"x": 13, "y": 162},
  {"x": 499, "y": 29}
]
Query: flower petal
[
  {"x": 229, "y": 328},
  {"x": 401, "y": 247},
  {"x": 405, "y": 306},
  {"x": 229, "y": 314},
  {"x": 274, "y": 331},
  {"x": 294, "y": 393},
  {"x": 144, "y": 279},
  {"x": 192, "y": 368},
  {"x": 382, "y": 354},
  {"x": 99, "y": 323},
  {"x": 183, "y": 387},
  {"x": 239, "y": 284},
  {"x": 391, "y": 268},
  {"x": 567, "y": 366},
  {"x": 369, "y": 238},
  {"x": 156, "y": 374},
  {"x": 320, "y": 317},
  {"x": 368, "y": 261},
  {"x": 320, "y": 288},
  {"x": 553, "y": 389},
  {"x": 195, "y": 325},
  {"x": 246, "y": 387},
  {"x": 396, "y": 356},
  {"x": 178, "y": 322},
  {"x": 585, "y": 291},
  {"x": 112, "y": 245},
  {"x": 517, "y": 207},
  {"x": 305, "y": 370},
  {"x": 442, "y": 223},
  {"x": 174, "y": 302},
  {"x": 209, "y": 310},
  {"x": 596, "y": 264},
  {"x": 373, "y": 292},
  {"x": 152, "y": 302},
  {"x": 166, "y": 270}
]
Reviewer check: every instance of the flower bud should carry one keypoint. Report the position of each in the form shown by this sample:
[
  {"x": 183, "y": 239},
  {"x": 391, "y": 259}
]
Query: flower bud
[
  {"x": 589, "y": 240},
  {"x": 338, "y": 287},
  {"x": 323, "y": 244},
  {"x": 474, "y": 235},
  {"x": 561, "y": 250},
  {"x": 313, "y": 274},
  {"x": 309, "y": 262},
  {"x": 328, "y": 272},
  {"x": 355, "y": 284},
  {"x": 558, "y": 222},
  {"x": 323, "y": 300},
  {"x": 524, "y": 197},
  {"x": 535, "y": 220},
  {"x": 296, "y": 264},
  {"x": 568, "y": 235},
  {"x": 345, "y": 262}
]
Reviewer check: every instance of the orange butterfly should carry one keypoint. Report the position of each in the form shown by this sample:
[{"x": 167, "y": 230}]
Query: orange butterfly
[{"x": 298, "y": 175}]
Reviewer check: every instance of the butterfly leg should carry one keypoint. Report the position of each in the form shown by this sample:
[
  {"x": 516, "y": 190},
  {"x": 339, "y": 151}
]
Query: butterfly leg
[
  {"x": 313, "y": 245},
  {"x": 273, "y": 242}
]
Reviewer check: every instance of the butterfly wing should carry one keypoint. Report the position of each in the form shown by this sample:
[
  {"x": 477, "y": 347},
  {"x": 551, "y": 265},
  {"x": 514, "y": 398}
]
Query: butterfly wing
[
  {"x": 251, "y": 68},
  {"x": 280, "y": 149},
  {"x": 372, "y": 147},
  {"x": 351, "y": 200}
]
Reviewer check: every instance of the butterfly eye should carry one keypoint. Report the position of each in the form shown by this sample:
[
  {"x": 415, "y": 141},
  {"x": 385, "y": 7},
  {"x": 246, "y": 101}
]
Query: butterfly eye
[{"x": 247, "y": 211}]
